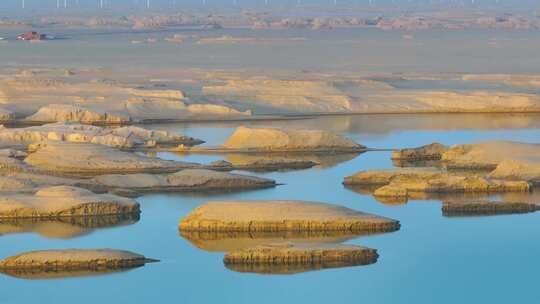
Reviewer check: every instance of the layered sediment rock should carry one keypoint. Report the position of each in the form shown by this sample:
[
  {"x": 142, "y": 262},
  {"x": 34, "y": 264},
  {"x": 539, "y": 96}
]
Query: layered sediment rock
[
  {"x": 405, "y": 183},
  {"x": 65, "y": 112},
  {"x": 64, "y": 201},
  {"x": 91, "y": 159},
  {"x": 69, "y": 262},
  {"x": 315, "y": 256},
  {"x": 282, "y": 216},
  {"x": 185, "y": 180},
  {"x": 124, "y": 137},
  {"x": 485, "y": 208}
]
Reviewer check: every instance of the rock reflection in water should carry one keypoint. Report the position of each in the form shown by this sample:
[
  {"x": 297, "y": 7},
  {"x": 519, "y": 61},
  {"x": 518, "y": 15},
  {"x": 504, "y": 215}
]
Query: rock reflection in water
[
  {"x": 65, "y": 227},
  {"x": 285, "y": 269},
  {"x": 51, "y": 274},
  {"x": 228, "y": 241},
  {"x": 322, "y": 160}
]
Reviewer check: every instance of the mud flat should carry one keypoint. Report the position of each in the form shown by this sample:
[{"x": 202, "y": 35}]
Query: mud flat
[
  {"x": 266, "y": 140},
  {"x": 293, "y": 258},
  {"x": 91, "y": 159},
  {"x": 64, "y": 201},
  {"x": 486, "y": 208},
  {"x": 182, "y": 181},
  {"x": 65, "y": 227},
  {"x": 47, "y": 264},
  {"x": 271, "y": 216},
  {"x": 404, "y": 183}
]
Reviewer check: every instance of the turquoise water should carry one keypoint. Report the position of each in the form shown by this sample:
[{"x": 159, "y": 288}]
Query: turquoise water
[{"x": 432, "y": 259}]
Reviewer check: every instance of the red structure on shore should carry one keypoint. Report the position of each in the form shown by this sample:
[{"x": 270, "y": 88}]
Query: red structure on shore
[{"x": 32, "y": 36}]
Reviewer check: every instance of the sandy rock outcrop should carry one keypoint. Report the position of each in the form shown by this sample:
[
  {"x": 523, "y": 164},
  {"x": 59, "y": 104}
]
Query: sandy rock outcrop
[
  {"x": 282, "y": 216},
  {"x": 523, "y": 168},
  {"x": 176, "y": 110},
  {"x": 124, "y": 137},
  {"x": 314, "y": 256},
  {"x": 262, "y": 164},
  {"x": 30, "y": 182},
  {"x": 289, "y": 140},
  {"x": 91, "y": 159},
  {"x": 246, "y": 139},
  {"x": 185, "y": 180},
  {"x": 12, "y": 152},
  {"x": 66, "y": 112},
  {"x": 69, "y": 262},
  {"x": 405, "y": 183},
  {"x": 272, "y": 96},
  {"x": 64, "y": 201},
  {"x": 487, "y": 155},
  {"x": 486, "y": 208}
]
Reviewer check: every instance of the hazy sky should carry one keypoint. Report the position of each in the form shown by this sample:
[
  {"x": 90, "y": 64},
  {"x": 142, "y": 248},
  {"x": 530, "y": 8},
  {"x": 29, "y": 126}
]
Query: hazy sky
[{"x": 185, "y": 3}]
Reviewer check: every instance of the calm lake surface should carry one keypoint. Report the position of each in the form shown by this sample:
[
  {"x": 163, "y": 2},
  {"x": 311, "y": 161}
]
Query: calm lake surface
[{"x": 432, "y": 259}]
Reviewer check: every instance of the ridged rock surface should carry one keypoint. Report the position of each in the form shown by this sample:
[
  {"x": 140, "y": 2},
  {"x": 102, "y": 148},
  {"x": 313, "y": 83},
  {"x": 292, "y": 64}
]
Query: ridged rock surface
[
  {"x": 282, "y": 216},
  {"x": 64, "y": 201},
  {"x": 65, "y": 112},
  {"x": 77, "y": 158},
  {"x": 289, "y": 140},
  {"x": 484, "y": 208},
  {"x": 488, "y": 155},
  {"x": 185, "y": 180},
  {"x": 318, "y": 256}
]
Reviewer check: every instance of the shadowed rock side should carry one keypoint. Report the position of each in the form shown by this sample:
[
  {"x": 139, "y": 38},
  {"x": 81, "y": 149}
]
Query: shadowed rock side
[
  {"x": 91, "y": 159},
  {"x": 218, "y": 241},
  {"x": 404, "y": 183},
  {"x": 65, "y": 227},
  {"x": 428, "y": 152},
  {"x": 124, "y": 137},
  {"x": 48, "y": 264},
  {"x": 271, "y": 216},
  {"x": 6, "y": 115},
  {"x": 293, "y": 258},
  {"x": 64, "y": 201},
  {"x": 262, "y": 164},
  {"x": 185, "y": 180},
  {"x": 246, "y": 139},
  {"x": 486, "y": 208},
  {"x": 487, "y": 155}
]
